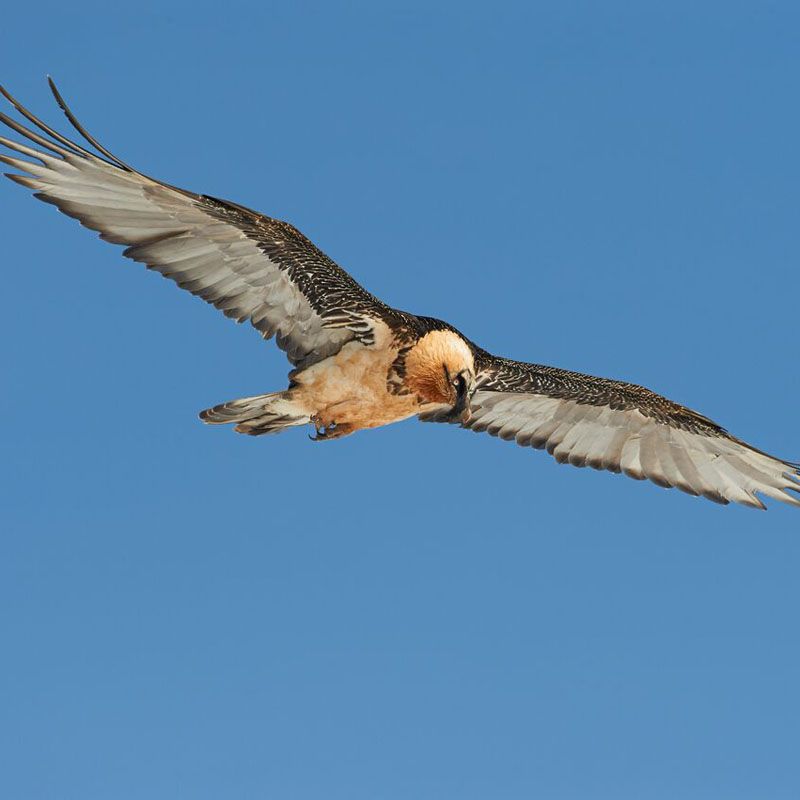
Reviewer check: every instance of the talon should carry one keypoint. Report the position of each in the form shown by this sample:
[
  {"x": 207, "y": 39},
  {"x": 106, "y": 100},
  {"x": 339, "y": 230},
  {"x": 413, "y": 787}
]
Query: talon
[
  {"x": 329, "y": 430},
  {"x": 319, "y": 429}
]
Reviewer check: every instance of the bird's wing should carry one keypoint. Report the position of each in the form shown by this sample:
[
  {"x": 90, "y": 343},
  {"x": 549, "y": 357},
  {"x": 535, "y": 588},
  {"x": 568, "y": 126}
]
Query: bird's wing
[
  {"x": 605, "y": 424},
  {"x": 248, "y": 265}
]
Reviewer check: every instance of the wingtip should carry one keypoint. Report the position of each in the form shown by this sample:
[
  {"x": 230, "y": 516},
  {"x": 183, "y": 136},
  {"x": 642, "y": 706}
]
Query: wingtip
[
  {"x": 56, "y": 94},
  {"x": 7, "y": 95}
]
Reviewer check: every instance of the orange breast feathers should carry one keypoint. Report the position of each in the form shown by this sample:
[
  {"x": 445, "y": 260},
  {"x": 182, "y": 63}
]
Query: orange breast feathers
[{"x": 433, "y": 363}]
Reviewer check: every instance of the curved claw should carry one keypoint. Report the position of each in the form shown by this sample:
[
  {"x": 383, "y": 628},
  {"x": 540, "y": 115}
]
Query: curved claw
[{"x": 322, "y": 431}]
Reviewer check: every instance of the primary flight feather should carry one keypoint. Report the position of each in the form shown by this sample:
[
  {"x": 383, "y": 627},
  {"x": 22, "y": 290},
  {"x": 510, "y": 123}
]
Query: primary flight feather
[{"x": 359, "y": 363}]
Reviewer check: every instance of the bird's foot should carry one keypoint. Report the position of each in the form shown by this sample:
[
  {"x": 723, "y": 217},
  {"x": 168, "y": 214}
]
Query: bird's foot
[{"x": 326, "y": 431}]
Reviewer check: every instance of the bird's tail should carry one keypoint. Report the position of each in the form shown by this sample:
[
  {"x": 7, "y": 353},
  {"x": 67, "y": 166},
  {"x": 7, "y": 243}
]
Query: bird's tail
[{"x": 259, "y": 415}]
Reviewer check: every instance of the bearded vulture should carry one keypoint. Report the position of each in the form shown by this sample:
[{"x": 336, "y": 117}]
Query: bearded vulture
[{"x": 359, "y": 363}]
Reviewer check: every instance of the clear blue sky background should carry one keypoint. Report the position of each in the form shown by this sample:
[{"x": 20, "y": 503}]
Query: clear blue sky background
[{"x": 416, "y": 612}]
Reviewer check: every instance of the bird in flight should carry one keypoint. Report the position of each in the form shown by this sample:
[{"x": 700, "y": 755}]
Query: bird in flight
[{"x": 358, "y": 363}]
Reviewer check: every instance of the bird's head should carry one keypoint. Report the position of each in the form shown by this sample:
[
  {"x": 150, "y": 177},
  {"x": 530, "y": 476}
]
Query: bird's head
[{"x": 440, "y": 368}]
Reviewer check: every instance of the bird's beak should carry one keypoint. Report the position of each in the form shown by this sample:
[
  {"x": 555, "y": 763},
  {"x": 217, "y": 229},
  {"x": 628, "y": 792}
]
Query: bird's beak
[{"x": 460, "y": 410}]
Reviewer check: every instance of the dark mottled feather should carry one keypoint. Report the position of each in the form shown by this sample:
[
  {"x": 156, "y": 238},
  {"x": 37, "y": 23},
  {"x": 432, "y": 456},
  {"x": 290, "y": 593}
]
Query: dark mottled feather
[{"x": 248, "y": 265}]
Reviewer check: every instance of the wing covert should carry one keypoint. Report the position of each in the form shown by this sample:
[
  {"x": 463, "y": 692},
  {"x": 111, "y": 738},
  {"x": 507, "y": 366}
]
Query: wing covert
[
  {"x": 250, "y": 266},
  {"x": 621, "y": 427}
]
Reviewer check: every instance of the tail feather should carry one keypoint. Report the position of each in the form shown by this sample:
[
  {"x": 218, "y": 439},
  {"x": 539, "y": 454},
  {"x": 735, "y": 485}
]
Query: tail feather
[{"x": 259, "y": 415}]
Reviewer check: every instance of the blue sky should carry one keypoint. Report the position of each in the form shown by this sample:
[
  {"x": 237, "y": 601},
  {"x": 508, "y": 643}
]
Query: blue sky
[{"x": 414, "y": 612}]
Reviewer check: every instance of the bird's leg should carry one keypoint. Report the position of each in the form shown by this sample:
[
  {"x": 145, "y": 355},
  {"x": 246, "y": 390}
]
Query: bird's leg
[
  {"x": 320, "y": 432},
  {"x": 327, "y": 430}
]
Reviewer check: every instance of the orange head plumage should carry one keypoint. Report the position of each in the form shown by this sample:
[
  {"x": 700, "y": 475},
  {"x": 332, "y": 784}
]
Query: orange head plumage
[{"x": 440, "y": 368}]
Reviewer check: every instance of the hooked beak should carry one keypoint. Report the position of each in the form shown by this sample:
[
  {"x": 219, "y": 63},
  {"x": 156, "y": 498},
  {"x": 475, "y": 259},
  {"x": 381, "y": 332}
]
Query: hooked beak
[{"x": 461, "y": 408}]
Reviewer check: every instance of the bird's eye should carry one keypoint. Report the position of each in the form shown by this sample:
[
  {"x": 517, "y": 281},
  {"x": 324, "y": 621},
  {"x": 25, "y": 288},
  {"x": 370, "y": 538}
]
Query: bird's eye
[{"x": 459, "y": 382}]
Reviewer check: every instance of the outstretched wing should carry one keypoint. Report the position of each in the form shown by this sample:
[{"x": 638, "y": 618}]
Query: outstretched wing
[
  {"x": 621, "y": 427},
  {"x": 248, "y": 265}
]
